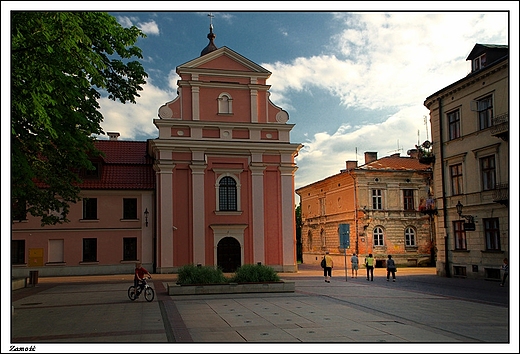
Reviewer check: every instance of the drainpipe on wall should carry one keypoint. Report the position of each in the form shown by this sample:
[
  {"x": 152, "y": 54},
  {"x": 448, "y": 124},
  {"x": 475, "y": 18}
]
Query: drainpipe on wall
[
  {"x": 443, "y": 191},
  {"x": 356, "y": 214}
]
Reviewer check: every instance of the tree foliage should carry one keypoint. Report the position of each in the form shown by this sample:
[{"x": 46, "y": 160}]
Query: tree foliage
[{"x": 62, "y": 62}]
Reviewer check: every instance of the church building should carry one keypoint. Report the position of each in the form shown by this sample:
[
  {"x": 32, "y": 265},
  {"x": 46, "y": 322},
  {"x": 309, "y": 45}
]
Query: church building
[
  {"x": 215, "y": 188},
  {"x": 224, "y": 168}
]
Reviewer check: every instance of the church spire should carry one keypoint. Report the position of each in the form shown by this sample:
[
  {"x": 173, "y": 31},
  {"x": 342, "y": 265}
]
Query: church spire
[{"x": 211, "y": 36}]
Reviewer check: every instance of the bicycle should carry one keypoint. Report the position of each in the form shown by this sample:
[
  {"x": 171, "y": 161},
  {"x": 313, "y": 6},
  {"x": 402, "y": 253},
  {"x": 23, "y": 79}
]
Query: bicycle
[{"x": 149, "y": 293}]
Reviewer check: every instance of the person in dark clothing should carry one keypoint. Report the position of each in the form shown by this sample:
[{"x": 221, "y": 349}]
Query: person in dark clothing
[
  {"x": 505, "y": 268},
  {"x": 390, "y": 268}
]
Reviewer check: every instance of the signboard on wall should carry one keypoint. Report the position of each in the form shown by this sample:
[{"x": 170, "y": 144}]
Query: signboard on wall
[
  {"x": 344, "y": 236},
  {"x": 469, "y": 226}
]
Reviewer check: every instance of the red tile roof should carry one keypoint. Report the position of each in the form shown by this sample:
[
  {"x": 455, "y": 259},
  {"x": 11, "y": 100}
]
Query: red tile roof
[
  {"x": 126, "y": 165},
  {"x": 395, "y": 163}
]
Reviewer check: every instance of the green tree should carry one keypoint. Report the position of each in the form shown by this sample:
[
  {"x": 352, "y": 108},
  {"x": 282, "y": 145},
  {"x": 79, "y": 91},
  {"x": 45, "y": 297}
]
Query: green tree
[{"x": 61, "y": 64}]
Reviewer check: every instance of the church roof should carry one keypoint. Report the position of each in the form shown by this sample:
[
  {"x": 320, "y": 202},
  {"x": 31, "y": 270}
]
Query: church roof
[{"x": 125, "y": 165}]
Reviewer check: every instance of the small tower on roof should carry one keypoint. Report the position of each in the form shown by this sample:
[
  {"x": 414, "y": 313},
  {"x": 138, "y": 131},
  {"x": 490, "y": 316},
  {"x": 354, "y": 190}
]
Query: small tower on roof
[{"x": 211, "y": 36}]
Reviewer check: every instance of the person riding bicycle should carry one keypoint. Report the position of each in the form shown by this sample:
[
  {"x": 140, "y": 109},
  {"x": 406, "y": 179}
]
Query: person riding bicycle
[{"x": 139, "y": 274}]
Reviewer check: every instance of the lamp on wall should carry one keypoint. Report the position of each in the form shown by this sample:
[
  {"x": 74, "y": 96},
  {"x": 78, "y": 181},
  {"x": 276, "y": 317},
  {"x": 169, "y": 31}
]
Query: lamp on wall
[
  {"x": 146, "y": 212},
  {"x": 469, "y": 218}
]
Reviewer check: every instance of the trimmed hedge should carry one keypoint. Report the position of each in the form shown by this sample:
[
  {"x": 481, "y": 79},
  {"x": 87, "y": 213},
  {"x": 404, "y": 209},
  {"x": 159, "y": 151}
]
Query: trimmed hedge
[{"x": 248, "y": 273}]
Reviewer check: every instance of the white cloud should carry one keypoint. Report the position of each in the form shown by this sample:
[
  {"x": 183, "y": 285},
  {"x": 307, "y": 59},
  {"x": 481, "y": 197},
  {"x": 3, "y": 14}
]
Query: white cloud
[
  {"x": 124, "y": 21},
  {"x": 149, "y": 27},
  {"x": 382, "y": 61},
  {"x": 130, "y": 119},
  {"x": 325, "y": 155}
]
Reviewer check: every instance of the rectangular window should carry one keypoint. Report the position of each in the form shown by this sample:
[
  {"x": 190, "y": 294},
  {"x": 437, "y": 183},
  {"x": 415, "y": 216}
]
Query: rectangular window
[
  {"x": 456, "y": 179},
  {"x": 90, "y": 208},
  {"x": 18, "y": 252},
  {"x": 90, "y": 250},
  {"x": 56, "y": 251},
  {"x": 129, "y": 248},
  {"x": 130, "y": 208},
  {"x": 485, "y": 112},
  {"x": 408, "y": 199},
  {"x": 492, "y": 233},
  {"x": 377, "y": 199},
  {"x": 487, "y": 168},
  {"x": 454, "y": 124},
  {"x": 460, "y": 235}
]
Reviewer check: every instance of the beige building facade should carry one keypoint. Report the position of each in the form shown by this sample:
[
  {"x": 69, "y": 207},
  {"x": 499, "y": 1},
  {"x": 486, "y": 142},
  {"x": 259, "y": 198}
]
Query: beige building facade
[
  {"x": 383, "y": 202},
  {"x": 470, "y": 130}
]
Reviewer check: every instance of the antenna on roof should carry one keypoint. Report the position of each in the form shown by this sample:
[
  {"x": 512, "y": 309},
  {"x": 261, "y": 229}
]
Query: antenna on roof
[
  {"x": 398, "y": 148},
  {"x": 426, "y": 124}
]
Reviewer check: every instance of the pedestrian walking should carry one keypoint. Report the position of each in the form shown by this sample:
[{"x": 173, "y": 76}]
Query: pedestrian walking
[
  {"x": 369, "y": 264},
  {"x": 354, "y": 264},
  {"x": 505, "y": 268},
  {"x": 390, "y": 268},
  {"x": 329, "y": 264}
]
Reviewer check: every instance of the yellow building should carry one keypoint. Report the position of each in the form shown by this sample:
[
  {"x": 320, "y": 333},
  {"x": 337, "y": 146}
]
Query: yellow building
[{"x": 470, "y": 130}]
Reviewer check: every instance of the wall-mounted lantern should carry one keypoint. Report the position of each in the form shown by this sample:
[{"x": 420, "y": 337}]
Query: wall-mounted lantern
[
  {"x": 470, "y": 225},
  {"x": 146, "y": 212}
]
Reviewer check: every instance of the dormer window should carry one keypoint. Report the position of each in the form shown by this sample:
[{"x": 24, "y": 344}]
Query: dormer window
[{"x": 479, "y": 62}]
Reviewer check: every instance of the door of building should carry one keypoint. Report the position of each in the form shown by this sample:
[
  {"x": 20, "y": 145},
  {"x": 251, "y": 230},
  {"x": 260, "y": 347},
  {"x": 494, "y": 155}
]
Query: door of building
[{"x": 228, "y": 254}]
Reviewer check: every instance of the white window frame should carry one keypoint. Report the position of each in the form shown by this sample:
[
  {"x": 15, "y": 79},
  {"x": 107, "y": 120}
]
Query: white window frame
[
  {"x": 235, "y": 175},
  {"x": 378, "y": 230}
]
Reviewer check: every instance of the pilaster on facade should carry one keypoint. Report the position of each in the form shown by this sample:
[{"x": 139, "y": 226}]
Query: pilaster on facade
[
  {"x": 195, "y": 102},
  {"x": 257, "y": 179},
  {"x": 198, "y": 222}
]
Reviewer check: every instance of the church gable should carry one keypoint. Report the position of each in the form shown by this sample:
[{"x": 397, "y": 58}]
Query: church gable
[{"x": 224, "y": 59}]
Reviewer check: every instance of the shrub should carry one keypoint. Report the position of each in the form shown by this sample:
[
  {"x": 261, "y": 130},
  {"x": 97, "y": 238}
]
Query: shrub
[
  {"x": 250, "y": 273},
  {"x": 191, "y": 274}
]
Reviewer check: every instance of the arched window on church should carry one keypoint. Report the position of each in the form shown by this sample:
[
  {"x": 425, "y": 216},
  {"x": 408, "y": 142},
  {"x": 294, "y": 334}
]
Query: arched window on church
[
  {"x": 227, "y": 194},
  {"x": 225, "y": 103}
]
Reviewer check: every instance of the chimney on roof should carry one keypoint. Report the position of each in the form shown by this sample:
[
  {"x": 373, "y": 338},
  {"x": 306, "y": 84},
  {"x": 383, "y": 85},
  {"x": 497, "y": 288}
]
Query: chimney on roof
[
  {"x": 351, "y": 165},
  {"x": 370, "y": 156},
  {"x": 113, "y": 135},
  {"x": 413, "y": 153}
]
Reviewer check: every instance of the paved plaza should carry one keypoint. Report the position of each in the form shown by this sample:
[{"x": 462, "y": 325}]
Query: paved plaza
[{"x": 420, "y": 309}]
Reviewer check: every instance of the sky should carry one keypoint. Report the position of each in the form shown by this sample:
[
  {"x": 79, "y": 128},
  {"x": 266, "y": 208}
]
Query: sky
[
  {"x": 353, "y": 76},
  {"x": 352, "y": 81}
]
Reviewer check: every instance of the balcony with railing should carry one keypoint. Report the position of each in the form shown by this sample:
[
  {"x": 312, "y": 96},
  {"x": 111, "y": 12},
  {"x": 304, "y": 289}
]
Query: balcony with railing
[
  {"x": 500, "y": 126},
  {"x": 501, "y": 194}
]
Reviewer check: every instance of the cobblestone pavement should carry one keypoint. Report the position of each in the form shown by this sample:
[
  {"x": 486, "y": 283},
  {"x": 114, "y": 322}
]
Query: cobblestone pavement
[{"x": 420, "y": 311}]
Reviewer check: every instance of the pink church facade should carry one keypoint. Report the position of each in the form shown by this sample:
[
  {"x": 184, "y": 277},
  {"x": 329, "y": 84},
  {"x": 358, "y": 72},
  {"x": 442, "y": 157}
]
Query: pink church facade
[
  {"x": 224, "y": 169},
  {"x": 221, "y": 191}
]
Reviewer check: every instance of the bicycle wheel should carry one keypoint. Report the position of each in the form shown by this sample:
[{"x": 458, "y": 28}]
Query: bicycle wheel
[
  {"x": 131, "y": 293},
  {"x": 149, "y": 294}
]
